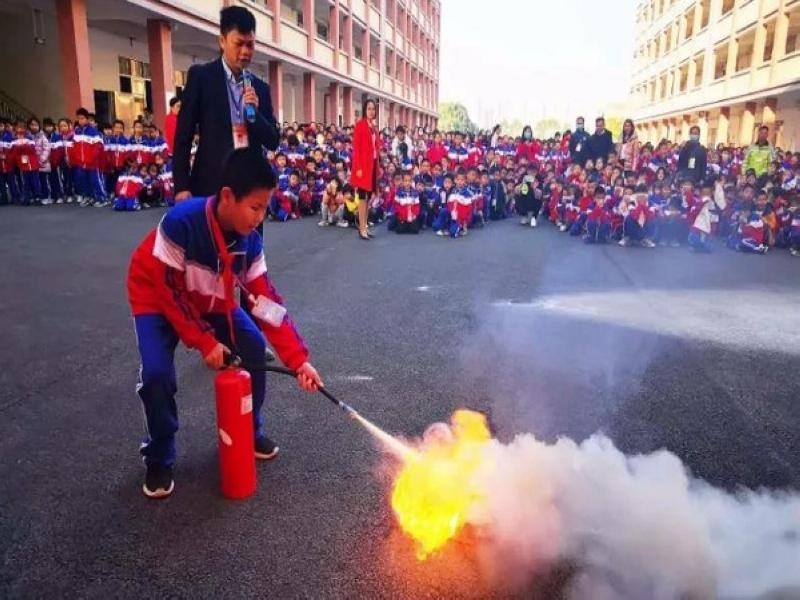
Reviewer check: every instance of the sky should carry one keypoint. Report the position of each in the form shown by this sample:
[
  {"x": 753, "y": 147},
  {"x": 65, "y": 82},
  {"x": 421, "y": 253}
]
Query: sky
[{"x": 527, "y": 59}]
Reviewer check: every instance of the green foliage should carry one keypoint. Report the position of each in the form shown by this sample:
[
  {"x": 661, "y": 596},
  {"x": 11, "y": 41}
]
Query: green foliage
[{"x": 454, "y": 117}]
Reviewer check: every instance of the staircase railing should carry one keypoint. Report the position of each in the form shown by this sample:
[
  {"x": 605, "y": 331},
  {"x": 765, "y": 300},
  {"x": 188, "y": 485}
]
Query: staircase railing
[{"x": 11, "y": 109}]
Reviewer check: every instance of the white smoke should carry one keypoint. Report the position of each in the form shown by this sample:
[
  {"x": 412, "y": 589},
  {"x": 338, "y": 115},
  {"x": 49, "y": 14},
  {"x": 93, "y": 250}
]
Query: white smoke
[{"x": 629, "y": 527}]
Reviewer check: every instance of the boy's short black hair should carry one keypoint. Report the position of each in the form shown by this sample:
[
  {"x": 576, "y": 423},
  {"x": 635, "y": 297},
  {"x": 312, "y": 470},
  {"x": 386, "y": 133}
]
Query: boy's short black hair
[
  {"x": 347, "y": 189},
  {"x": 245, "y": 170},
  {"x": 641, "y": 188},
  {"x": 82, "y": 112},
  {"x": 173, "y": 101},
  {"x": 599, "y": 191},
  {"x": 48, "y": 122},
  {"x": 119, "y": 122},
  {"x": 238, "y": 18}
]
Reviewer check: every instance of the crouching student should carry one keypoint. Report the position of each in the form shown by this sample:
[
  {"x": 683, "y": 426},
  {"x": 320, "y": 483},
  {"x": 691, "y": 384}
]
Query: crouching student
[
  {"x": 202, "y": 248},
  {"x": 598, "y": 222},
  {"x": 749, "y": 236},
  {"x": 332, "y": 206},
  {"x": 406, "y": 218},
  {"x": 129, "y": 185},
  {"x": 699, "y": 219},
  {"x": 454, "y": 218},
  {"x": 794, "y": 227},
  {"x": 639, "y": 223}
]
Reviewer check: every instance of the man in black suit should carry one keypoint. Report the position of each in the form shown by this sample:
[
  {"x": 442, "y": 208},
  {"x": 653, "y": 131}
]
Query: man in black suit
[
  {"x": 214, "y": 103},
  {"x": 600, "y": 144}
]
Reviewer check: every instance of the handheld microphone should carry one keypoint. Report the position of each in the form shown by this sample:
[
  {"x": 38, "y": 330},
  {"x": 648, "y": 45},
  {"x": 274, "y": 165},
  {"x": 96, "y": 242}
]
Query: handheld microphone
[{"x": 249, "y": 108}]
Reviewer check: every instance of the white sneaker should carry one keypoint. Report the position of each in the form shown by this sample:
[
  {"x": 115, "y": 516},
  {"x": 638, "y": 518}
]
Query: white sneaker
[
  {"x": 533, "y": 221},
  {"x": 47, "y": 202},
  {"x": 323, "y": 224},
  {"x": 562, "y": 228},
  {"x": 100, "y": 204},
  {"x": 60, "y": 201},
  {"x": 648, "y": 243},
  {"x": 623, "y": 242},
  {"x": 524, "y": 221},
  {"x": 763, "y": 248},
  {"x": 794, "y": 252},
  {"x": 464, "y": 231},
  {"x": 343, "y": 224},
  {"x": 443, "y": 233},
  {"x": 70, "y": 199}
]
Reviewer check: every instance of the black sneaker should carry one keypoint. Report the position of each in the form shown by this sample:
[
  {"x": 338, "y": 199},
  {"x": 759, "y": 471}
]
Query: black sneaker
[
  {"x": 158, "y": 482},
  {"x": 266, "y": 449}
]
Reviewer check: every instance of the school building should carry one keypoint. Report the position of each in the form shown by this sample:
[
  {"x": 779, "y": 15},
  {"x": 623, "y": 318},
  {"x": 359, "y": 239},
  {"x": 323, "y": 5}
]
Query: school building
[
  {"x": 320, "y": 57},
  {"x": 728, "y": 66}
]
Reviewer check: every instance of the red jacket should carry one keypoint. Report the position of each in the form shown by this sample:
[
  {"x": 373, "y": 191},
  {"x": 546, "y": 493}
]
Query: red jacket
[
  {"x": 23, "y": 149},
  {"x": 170, "y": 125},
  {"x": 529, "y": 150},
  {"x": 436, "y": 153},
  {"x": 365, "y": 153}
]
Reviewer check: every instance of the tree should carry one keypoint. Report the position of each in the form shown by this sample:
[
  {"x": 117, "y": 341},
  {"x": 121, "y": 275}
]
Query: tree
[
  {"x": 547, "y": 127},
  {"x": 614, "y": 125},
  {"x": 454, "y": 117}
]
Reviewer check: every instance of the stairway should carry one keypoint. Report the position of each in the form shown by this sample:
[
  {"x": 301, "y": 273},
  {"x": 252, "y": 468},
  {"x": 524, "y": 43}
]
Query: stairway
[{"x": 11, "y": 109}]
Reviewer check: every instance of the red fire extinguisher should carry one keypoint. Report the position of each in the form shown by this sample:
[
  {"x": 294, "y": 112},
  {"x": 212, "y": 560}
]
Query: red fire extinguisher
[{"x": 237, "y": 460}]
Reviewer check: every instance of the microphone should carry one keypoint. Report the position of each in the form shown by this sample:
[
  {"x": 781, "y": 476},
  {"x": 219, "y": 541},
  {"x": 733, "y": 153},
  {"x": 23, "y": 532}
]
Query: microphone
[{"x": 249, "y": 108}]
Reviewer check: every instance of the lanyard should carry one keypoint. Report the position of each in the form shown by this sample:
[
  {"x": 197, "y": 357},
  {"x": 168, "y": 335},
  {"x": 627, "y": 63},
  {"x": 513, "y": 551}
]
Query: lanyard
[
  {"x": 237, "y": 104},
  {"x": 227, "y": 265}
]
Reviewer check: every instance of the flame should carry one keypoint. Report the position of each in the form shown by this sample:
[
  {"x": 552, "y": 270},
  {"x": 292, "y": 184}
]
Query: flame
[{"x": 434, "y": 490}]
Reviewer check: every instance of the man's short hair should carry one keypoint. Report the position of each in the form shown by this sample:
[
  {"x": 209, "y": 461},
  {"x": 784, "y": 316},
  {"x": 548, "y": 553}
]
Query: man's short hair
[
  {"x": 173, "y": 101},
  {"x": 245, "y": 170},
  {"x": 694, "y": 128},
  {"x": 238, "y": 18}
]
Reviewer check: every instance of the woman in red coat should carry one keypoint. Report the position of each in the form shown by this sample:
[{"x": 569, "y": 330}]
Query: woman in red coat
[
  {"x": 365, "y": 162},
  {"x": 528, "y": 147}
]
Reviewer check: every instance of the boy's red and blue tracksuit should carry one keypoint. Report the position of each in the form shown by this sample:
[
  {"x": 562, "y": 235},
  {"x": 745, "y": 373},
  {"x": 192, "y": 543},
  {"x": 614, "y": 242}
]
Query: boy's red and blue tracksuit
[
  {"x": 140, "y": 150},
  {"x": 60, "y": 170},
  {"x": 181, "y": 284},
  {"x": 26, "y": 160},
  {"x": 126, "y": 192},
  {"x": 598, "y": 225},
  {"x": 9, "y": 185},
  {"x": 167, "y": 182},
  {"x": 458, "y": 212},
  {"x": 85, "y": 156},
  {"x": 639, "y": 223},
  {"x": 406, "y": 211},
  {"x": 750, "y": 235},
  {"x": 794, "y": 230},
  {"x": 115, "y": 154}
]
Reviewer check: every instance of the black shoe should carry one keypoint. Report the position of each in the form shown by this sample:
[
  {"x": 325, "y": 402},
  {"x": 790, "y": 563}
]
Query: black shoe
[
  {"x": 266, "y": 449},
  {"x": 158, "y": 482}
]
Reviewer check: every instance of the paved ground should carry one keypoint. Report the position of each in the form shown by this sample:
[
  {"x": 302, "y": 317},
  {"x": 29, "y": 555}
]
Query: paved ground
[{"x": 657, "y": 348}]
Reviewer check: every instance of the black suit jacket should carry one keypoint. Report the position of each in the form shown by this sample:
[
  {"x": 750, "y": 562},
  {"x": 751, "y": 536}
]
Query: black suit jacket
[{"x": 205, "y": 107}]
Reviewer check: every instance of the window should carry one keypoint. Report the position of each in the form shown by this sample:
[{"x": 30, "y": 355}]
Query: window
[
  {"x": 663, "y": 79},
  {"x": 705, "y": 7},
  {"x": 133, "y": 76},
  {"x": 793, "y": 34},
  {"x": 689, "y": 16},
  {"x": 322, "y": 31},
  {"x": 667, "y": 40},
  {"x": 769, "y": 40},
  {"x": 727, "y": 6},
  {"x": 699, "y": 63},
  {"x": 744, "y": 50},
  {"x": 683, "y": 75},
  {"x": 720, "y": 61}
]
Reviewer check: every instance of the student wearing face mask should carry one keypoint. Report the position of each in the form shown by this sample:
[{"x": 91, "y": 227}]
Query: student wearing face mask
[
  {"x": 600, "y": 144},
  {"x": 578, "y": 143},
  {"x": 693, "y": 159}
]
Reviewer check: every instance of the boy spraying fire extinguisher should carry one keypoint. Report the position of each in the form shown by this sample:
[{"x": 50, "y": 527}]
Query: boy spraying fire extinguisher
[{"x": 181, "y": 285}]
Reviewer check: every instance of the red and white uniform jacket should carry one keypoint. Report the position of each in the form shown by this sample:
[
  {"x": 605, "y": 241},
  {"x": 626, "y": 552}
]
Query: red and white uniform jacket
[
  {"x": 460, "y": 205},
  {"x": 406, "y": 205},
  {"x": 23, "y": 150}
]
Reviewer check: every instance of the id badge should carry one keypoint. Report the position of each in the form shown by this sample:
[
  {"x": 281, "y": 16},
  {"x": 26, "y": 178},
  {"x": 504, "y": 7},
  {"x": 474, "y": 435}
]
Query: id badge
[
  {"x": 240, "y": 139},
  {"x": 578, "y": 147},
  {"x": 691, "y": 163},
  {"x": 269, "y": 311}
]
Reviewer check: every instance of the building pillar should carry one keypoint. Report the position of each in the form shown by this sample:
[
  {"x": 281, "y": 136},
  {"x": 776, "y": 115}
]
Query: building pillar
[
  {"x": 702, "y": 122},
  {"x": 309, "y": 26},
  {"x": 722, "y": 125},
  {"x": 348, "y": 42},
  {"x": 333, "y": 103},
  {"x": 781, "y": 33},
  {"x": 691, "y": 77},
  {"x": 392, "y": 115},
  {"x": 769, "y": 112},
  {"x": 162, "y": 75},
  {"x": 276, "y": 88},
  {"x": 685, "y": 126},
  {"x": 747, "y": 124},
  {"x": 733, "y": 53},
  {"x": 309, "y": 97},
  {"x": 347, "y": 108},
  {"x": 671, "y": 129},
  {"x": 76, "y": 64},
  {"x": 275, "y": 7},
  {"x": 333, "y": 27}
]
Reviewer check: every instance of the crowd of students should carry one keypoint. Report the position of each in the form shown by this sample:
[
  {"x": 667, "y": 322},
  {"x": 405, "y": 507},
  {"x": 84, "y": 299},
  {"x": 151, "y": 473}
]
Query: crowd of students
[
  {"x": 84, "y": 163},
  {"x": 451, "y": 183}
]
